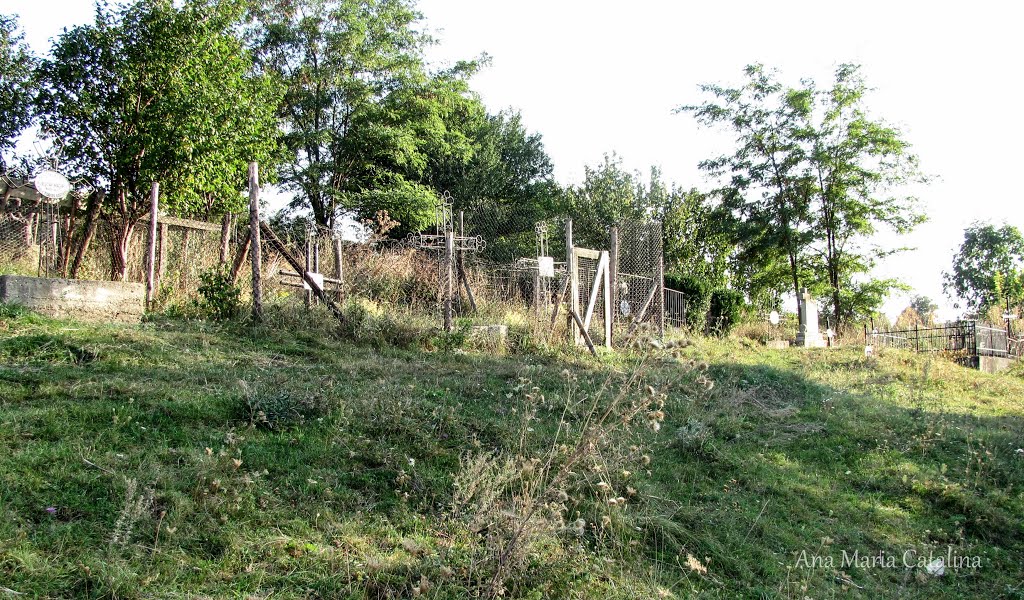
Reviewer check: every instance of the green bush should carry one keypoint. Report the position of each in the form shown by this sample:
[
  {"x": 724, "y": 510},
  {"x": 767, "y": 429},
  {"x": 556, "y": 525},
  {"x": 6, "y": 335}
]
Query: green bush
[
  {"x": 220, "y": 297},
  {"x": 697, "y": 295},
  {"x": 278, "y": 405},
  {"x": 724, "y": 311}
]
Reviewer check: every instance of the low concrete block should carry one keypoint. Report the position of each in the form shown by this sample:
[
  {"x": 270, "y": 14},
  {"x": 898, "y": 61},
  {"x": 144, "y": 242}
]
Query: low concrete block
[
  {"x": 994, "y": 364},
  {"x": 77, "y": 299},
  {"x": 777, "y": 344}
]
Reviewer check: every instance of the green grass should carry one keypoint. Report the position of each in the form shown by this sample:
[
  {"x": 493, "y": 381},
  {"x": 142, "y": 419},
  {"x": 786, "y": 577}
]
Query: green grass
[{"x": 182, "y": 458}]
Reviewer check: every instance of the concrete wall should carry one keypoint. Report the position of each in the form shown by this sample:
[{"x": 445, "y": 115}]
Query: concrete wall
[
  {"x": 994, "y": 364},
  {"x": 110, "y": 301}
]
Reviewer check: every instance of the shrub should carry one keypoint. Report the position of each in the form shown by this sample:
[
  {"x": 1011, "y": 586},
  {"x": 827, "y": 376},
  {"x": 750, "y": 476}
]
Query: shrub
[
  {"x": 697, "y": 295},
  {"x": 724, "y": 311},
  {"x": 220, "y": 296},
  {"x": 276, "y": 406}
]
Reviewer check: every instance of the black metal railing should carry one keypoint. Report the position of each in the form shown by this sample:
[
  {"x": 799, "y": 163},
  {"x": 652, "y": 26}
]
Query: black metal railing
[{"x": 964, "y": 340}]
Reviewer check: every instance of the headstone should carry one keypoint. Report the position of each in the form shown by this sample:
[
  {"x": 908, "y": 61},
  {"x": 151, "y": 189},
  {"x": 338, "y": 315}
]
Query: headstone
[{"x": 809, "y": 336}]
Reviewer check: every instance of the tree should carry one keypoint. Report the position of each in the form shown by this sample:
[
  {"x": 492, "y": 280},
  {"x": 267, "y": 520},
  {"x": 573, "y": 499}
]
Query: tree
[
  {"x": 925, "y": 309},
  {"x": 363, "y": 118},
  {"x": 16, "y": 66},
  {"x": 695, "y": 242},
  {"x": 506, "y": 187},
  {"x": 855, "y": 162},
  {"x": 608, "y": 196},
  {"x": 808, "y": 184},
  {"x": 988, "y": 269},
  {"x": 766, "y": 193},
  {"x": 150, "y": 92}
]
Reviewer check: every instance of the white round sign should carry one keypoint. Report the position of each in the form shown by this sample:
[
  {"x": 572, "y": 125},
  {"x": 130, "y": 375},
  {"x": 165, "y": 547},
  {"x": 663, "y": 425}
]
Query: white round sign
[
  {"x": 773, "y": 318},
  {"x": 52, "y": 184}
]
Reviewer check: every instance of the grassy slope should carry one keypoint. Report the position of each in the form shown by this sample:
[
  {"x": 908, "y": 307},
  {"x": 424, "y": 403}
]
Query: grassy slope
[{"x": 128, "y": 468}]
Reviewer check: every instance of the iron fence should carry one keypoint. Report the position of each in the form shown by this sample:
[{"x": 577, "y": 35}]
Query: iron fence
[{"x": 963, "y": 340}]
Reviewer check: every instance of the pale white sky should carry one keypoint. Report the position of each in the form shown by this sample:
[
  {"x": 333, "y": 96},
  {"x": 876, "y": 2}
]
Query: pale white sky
[{"x": 596, "y": 76}]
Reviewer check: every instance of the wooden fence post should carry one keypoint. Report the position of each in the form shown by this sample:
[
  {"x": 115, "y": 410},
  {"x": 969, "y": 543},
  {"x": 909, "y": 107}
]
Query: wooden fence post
[
  {"x": 339, "y": 268},
  {"x": 614, "y": 266},
  {"x": 449, "y": 259},
  {"x": 254, "y": 245},
  {"x": 225, "y": 237},
  {"x": 574, "y": 283},
  {"x": 154, "y": 216},
  {"x": 308, "y": 294},
  {"x": 660, "y": 274}
]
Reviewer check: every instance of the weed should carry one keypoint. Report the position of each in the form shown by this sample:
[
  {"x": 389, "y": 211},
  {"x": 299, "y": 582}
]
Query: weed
[
  {"x": 278, "y": 405},
  {"x": 220, "y": 297}
]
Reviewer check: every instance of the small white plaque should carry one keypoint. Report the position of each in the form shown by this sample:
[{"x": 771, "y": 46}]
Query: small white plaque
[
  {"x": 869, "y": 350},
  {"x": 317, "y": 278},
  {"x": 625, "y": 308},
  {"x": 773, "y": 317},
  {"x": 52, "y": 184},
  {"x": 546, "y": 264}
]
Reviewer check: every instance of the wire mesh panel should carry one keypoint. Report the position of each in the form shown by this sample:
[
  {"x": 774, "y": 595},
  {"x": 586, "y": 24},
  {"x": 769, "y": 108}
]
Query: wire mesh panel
[
  {"x": 638, "y": 294},
  {"x": 19, "y": 253}
]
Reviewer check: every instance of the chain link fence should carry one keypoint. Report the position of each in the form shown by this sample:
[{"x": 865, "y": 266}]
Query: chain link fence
[{"x": 492, "y": 265}]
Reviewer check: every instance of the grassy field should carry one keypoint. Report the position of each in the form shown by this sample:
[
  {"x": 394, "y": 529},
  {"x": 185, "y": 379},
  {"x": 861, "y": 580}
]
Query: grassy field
[{"x": 188, "y": 459}]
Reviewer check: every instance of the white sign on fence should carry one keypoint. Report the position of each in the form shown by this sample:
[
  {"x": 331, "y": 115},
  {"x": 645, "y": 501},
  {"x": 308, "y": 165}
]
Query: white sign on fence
[
  {"x": 52, "y": 184},
  {"x": 317, "y": 278},
  {"x": 546, "y": 264}
]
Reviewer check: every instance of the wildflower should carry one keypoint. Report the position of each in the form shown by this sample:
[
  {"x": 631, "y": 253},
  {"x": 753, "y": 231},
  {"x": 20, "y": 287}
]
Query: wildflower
[
  {"x": 620, "y": 500},
  {"x": 562, "y": 496},
  {"x": 237, "y": 462},
  {"x": 645, "y": 459},
  {"x": 695, "y": 565},
  {"x": 51, "y": 510},
  {"x": 603, "y": 486},
  {"x": 613, "y": 501},
  {"x": 606, "y": 521},
  {"x": 630, "y": 491},
  {"x": 579, "y": 527},
  {"x": 626, "y": 474}
]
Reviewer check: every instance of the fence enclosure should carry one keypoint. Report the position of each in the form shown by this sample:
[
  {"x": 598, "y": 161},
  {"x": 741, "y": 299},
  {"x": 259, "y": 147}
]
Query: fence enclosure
[{"x": 964, "y": 341}]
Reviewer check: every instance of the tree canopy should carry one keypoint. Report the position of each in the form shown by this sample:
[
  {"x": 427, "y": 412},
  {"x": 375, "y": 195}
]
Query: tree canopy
[
  {"x": 810, "y": 181},
  {"x": 155, "y": 93},
  {"x": 988, "y": 268},
  {"x": 364, "y": 119},
  {"x": 16, "y": 77}
]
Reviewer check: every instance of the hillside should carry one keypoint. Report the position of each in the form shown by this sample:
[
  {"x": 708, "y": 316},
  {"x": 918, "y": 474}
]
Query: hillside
[{"x": 189, "y": 459}]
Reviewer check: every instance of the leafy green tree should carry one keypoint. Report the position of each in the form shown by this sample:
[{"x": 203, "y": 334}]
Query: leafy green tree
[
  {"x": 609, "y": 195},
  {"x": 855, "y": 163},
  {"x": 150, "y": 92},
  {"x": 695, "y": 242},
  {"x": 506, "y": 187},
  {"x": 766, "y": 192},
  {"x": 925, "y": 308},
  {"x": 16, "y": 66},
  {"x": 809, "y": 183},
  {"x": 988, "y": 268},
  {"x": 363, "y": 118}
]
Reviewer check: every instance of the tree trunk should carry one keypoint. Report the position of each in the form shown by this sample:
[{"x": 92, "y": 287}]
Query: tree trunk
[
  {"x": 92, "y": 213},
  {"x": 67, "y": 235},
  {"x": 120, "y": 242}
]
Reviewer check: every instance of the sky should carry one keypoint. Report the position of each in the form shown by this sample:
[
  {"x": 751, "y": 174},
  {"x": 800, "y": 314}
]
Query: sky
[{"x": 593, "y": 77}]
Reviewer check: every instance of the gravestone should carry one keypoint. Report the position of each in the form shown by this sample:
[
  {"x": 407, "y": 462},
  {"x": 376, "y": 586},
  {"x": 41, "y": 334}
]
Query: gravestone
[{"x": 809, "y": 336}]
